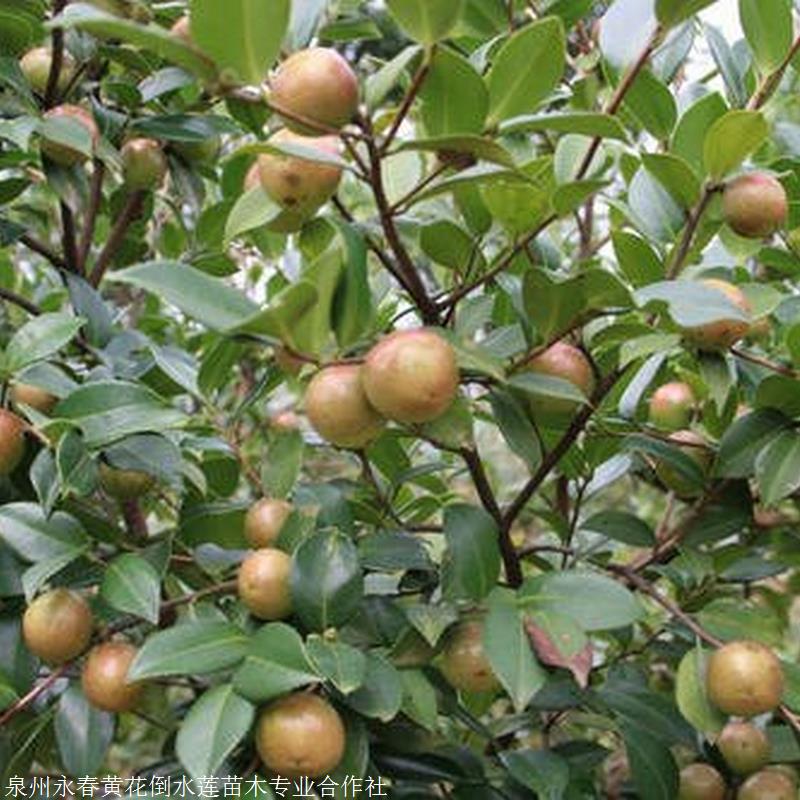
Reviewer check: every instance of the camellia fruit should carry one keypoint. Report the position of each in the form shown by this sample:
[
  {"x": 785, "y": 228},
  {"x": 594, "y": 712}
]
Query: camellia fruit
[
  {"x": 787, "y": 770},
  {"x": 263, "y": 584},
  {"x": 265, "y": 520},
  {"x": 33, "y": 396},
  {"x": 745, "y": 679},
  {"x": 744, "y": 747},
  {"x": 767, "y": 785},
  {"x": 464, "y": 662},
  {"x": 564, "y": 361},
  {"x": 144, "y": 165},
  {"x": 105, "y": 677},
  {"x": 63, "y": 154},
  {"x": 411, "y": 376},
  {"x": 12, "y": 441},
  {"x": 36, "y": 65},
  {"x": 755, "y": 205},
  {"x": 297, "y": 184},
  {"x": 695, "y": 447},
  {"x": 125, "y": 484},
  {"x": 672, "y": 406},
  {"x": 57, "y": 626},
  {"x": 300, "y": 735},
  {"x": 317, "y": 85},
  {"x": 339, "y": 410},
  {"x": 701, "y": 782},
  {"x": 724, "y": 333}
]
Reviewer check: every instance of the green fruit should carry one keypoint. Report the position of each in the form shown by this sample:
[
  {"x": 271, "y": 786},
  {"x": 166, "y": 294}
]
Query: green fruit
[
  {"x": 339, "y": 410},
  {"x": 125, "y": 484},
  {"x": 755, "y": 205},
  {"x": 724, "y": 333},
  {"x": 12, "y": 441},
  {"x": 105, "y": 677},
  {"x": 318, "y": 85},
  {"x": 57, "y": 626},
  {"x": 767, "y": 785},
  {"x": 300, "y": 735},
  {"x": 701, "y": 782},
  {"x": 33, "y": 396},
  {"x": 263, "y": 584},
  {"x": 144, "y": 165},
  {"x": 695, "y": 447},
  {"x": 744, "y": 747},
  {"x": 745, "y": 679},
  {"x": 464, "y": 662},
  {"x": 198, "y": 152},
  {"x": 564, "y": 361},
  {"x": 411, "y": 376},
  {"x": 63, "y": 154},
  {"x": 36, "y": 65},
  {"x": 672, "y": 406},
  {"x": 265, "y": 520}
]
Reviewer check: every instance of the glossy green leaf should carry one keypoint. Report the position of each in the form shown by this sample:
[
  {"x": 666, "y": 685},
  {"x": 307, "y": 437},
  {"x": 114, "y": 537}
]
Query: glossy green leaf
[
  {"x": 621, "y": 526},
  {"x": 587, "y": 123},
  {"x": 768, "y": 27},
  {"x": 542, "y": 771},
  {"x": 341, "y": 664},
  {"x": 381, "y": 694},
  {"x": 778, "y": 468},
  {"x": 691, "y": 695},
  {"x": 426, "y": 21},
  {"x": 131, "y": 585},
  {"x": 472, "y": 559},
  {"x": 35, "y": 537},
  {"x": 732, "y": 138},
  {"x": 83, "y": 733},
  {"x": 40, "y": 338}
]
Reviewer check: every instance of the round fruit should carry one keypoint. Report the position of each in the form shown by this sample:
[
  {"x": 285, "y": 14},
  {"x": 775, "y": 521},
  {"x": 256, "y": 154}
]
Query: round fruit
[
  {"x": 767, "y": 785},
  {"x": 744, "y": 747},
  {"x": 30, "y": 395},
  {"x": 57, "y": 626},
  {"x": 182, "y": 29},
  {"x": 787, "y": 770},
  {"x": 252, "y": 178},
  {"x": 755, "y": 205},
  {"x": 265, "y": 520},
  {"x": 339, "y": 410},
  {"x": 745, "y": 679},
  {"x": 144, "y": 165},
  {"x": 464, "y": 661},
  {"x": 564, "y": 361},
  {"x": 411, "y": 376},
  {"x": 105, "y": 677},
  {"x": 701, "y": 782},
  {"x": 36, "y": 65},
  {"x": 125, "y": 484},
  {"x": 12, "y": 441},
  {"x": 264, "y": 584},
  {"x": 724, "y": 333},
  {"x": 695, "y": 447},
  {"x": 672, "y": 406},
  {"x": 317, "y": 85},
  {"x": 300, "y": 735},
  {"x": 297, "y": 184},
  {"x": 63, "y": 154},
  {"x": 198, "y": 152}
]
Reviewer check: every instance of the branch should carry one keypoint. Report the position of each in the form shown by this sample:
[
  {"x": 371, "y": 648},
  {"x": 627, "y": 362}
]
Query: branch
[
  {"x": 408, "y": 100},
  {"x": 30, "y": 697},
  {"x": 57, "y": 59},
  {"x": 68, "y": 240},
  {"x": 773, "y": 80},
  {"x": 135, "y": 522},
  {"x": 19, "y": 300},
  {"x": 781, "y": 369},
  {"x": 130, "y": 212},
  {"x": 43, "y": 250},
  {"x": 696, "y": 215},
  {"x": 95, "y": 200}
]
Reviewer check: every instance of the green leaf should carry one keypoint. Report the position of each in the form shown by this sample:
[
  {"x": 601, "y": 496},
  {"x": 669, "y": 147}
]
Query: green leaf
[
  {"x": 253, "y": 209},
  {"x": 131, "y": 584},
  {"x": 480, "y": 147},
  {"x": 353, "y": 311},
  {"x": 83, "y": 733},
  {"x": 621, "y": 526},
  {"x": 691, "y": 696},
  {"x": 426, "y": 21},
  {"x": 276, "y": 663},
  {"x": 595, "y": 602},
  {"x": 778, "y": 468},
  {"x": 768, "y": 27},
  {"x": 242, "y": 35},
  {"x": 745, "y": 439},
  {"x": 730, "y": 619},
  {"x": 526, "y": 69},
  {"x": 652, "y": 103},
  {"x": 690, "y": 133},
  {"x": 637, "y": 259},
  {"x": 219, "y": 523},
  {"x": 381, "y": 694},
  {"x": 419, "y": 699},
  {"x": 654, "y": 771},
  {"x": 732, "y": 138},
  {"x": 327, "y": 583},
  {"x": 586, "y": 123},
  {"x": 517, "y": 429},
  {"x": 676, "y": 176},
  {"x": 471, "y": 564},
  {"x": 509, "y": 651},
  {"x": 538, "y": 385},
  {"x": 732, "y": 65},
  {"x": 344, "y": 666},
  {"x": 37, "y": 575},
  {"x": 40, "y": 338},
  {"x": 215, "y": 724},
  {"x": 671, "y": 12},
  {"x": 282, "y": 464},
  {"x": 35, "y": 537},
  {"x": 381, "y": 83},
  {"x": 690, "y": 303},
  {"x": 77, "y": 470},
  {"x": 542, "y": 771},
  {"x": 654, "y": 211},
  {"x": 190, "y": 648}
]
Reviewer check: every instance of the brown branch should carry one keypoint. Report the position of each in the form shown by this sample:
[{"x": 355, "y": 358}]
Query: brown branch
[
  {"x": 19, "y": 300},
  {"x": 781, "y": 369},
  {"x": 130, "y": 212},
  {"x": 695, "y": 217},
  {"x": 135, "y": 522},
  {"x": 68, "y": 239},
  {"x": 32, "y": 695},
  {"x": 408, "y": 100},
  {"x": 57, "y": 62},
  {"x": 313, "y": 125},
  {"x": 95, "y": 200},
  {"x": 773, "y": 80},
  {"x": 43, "y": 250}
]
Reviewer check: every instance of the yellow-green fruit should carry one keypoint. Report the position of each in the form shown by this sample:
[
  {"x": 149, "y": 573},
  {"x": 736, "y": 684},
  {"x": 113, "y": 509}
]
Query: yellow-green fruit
[
  {"x": 105, "y": 677},
  {"x": 63, "y": 154},
  {"x": 745, "y": 679},
  {"x": 672, "y": 406},
  {"x": 767, "y": 785},
  {"x": 300, "y": 735},
  {"x": 125, "y": 484},
  {"x": 339, "y": 410},
  {"x": 297, "y": 184},
  {"x": 264, "y": 584},
  {"x": 57, "y": 626},
  {"x": 564, "y": 361},
  {"x": 755, "y": 205},
  {"x": 198, "y": 152},
  {"x": 694, "y": 446},
  {"x": 12, "y": 441},
  {"x": 411, "y": 376},
  {"x": 724, "y": 333},
  {"x": 30, "y": 395},
  {"x": 144, "y": 165},
  {"x": 36, "y": 65},
  {"x": 464, "y": 662},
  {"x": 318, "y": 85},
  {"x": 701, "y": 782},
  {"x": 265, "y": 520},
  {"x": 744, "y": 747}
]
